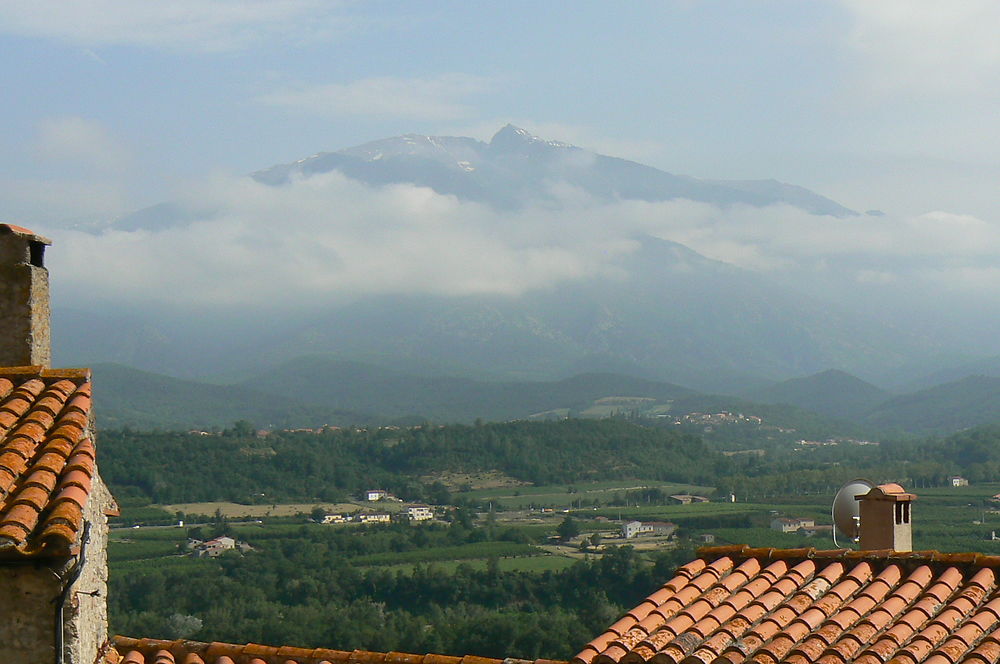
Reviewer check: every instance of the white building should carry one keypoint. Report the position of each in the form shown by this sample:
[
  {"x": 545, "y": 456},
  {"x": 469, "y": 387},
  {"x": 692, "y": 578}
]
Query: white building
[
  {"x": 374, "y": 517},
  {"x": 655, "y": 528},
  {"x": 419, "y": 513},
  {"x": 688, "y": 499},
  {"x": 791, "y": 525},
  {"x": 373, "y": 495},
  {"x": 216, "y": 547}
]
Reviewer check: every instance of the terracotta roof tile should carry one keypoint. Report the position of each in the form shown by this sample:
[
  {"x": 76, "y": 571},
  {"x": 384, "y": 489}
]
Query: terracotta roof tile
[
  {"x": 801, "y": 606},
  {"x": 47, "y": 458},
  {"x": 150, "y": 651}
]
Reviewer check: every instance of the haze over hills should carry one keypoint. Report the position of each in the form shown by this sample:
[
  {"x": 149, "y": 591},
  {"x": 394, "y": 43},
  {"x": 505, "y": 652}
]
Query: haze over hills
[
  {"x": 362, "y": 387},
  {"x": 989, "y": 366},
  {"x": 832, "y": 392},
  {"x": 145, "y": 400},
  {"x": 969, "y": 402},
  {"x": 673, "y": 315}
]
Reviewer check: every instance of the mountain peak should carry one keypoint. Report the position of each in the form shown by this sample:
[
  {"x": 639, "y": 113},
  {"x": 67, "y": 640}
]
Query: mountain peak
[
  {"x": 514, "y": 138},
  {"x": 510, "y": 136},
  {"x": 510, "y": 133}
]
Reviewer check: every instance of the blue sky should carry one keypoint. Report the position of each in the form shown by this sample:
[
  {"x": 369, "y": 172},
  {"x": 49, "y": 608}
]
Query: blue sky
[{"x": 109, "y": 105}]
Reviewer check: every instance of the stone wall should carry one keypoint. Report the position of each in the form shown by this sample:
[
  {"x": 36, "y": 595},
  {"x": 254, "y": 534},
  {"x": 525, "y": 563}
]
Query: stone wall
[
  {"x": 27, "y": 614},
  {"x": 86, "y": 612},
  {"x": 29, "y": 587}
]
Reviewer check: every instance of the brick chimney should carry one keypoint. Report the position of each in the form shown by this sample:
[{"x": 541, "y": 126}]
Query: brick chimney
[
  {"x": 24, "y": 299},
  {"x": 885, "y": 518}
]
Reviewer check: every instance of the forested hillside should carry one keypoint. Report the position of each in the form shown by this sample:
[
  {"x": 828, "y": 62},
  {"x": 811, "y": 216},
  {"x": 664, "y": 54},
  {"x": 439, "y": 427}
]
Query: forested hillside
[{"x": 238, "y": 466}]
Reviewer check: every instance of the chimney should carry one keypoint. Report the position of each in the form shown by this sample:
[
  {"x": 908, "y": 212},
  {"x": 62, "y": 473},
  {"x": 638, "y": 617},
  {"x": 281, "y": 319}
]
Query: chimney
[
  {"x": 885, "y": 518},
  {"x": 24, "y": 299}
]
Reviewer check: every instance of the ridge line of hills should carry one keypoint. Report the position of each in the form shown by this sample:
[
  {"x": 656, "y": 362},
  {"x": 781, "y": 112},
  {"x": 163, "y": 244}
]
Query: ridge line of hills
[{"x": 316, "y": 390}]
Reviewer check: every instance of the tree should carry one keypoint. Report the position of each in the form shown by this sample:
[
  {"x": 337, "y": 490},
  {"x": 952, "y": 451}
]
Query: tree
[
  {"x": 568, "y": 529},
  {"x": 243, "y": 429},
  {"x": 179, "y": 625}
]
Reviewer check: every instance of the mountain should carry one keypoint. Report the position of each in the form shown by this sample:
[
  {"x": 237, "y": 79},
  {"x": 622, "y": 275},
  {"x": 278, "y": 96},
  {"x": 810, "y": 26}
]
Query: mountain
[
  {"x": 662, "y": 311},
  {"x": 969, "y": 402},
  {"x": 832, "y": 392},
  {"x": 516, "y": 168}
]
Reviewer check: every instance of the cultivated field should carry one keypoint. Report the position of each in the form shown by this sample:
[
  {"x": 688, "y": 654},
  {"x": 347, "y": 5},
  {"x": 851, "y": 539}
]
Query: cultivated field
[
  {"x": 558, "y": 496},
  {"x": 235, "y": 510}
]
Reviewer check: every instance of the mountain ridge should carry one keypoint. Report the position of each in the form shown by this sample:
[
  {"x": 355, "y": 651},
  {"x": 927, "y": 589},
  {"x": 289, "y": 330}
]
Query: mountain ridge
[
  {"x": 514, "y": 167},
  {"x": 660, "y": 310}
]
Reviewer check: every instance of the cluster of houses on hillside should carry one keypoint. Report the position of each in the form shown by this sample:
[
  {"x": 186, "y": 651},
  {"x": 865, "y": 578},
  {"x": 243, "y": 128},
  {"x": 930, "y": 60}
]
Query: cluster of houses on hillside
[
  {"x": 720, "y": 418},
  {"x": 411, "y": 514},
  {"x": 833, "y": 442}
]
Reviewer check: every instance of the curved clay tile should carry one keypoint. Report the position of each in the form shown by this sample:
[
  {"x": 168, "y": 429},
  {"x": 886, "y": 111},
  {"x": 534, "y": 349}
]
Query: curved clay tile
[
  {"x": 39, "y": 438},
  {"x": 64, "y": 387}
]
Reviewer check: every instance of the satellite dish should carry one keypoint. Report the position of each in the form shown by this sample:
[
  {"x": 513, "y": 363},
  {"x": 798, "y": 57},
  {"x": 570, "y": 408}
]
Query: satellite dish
[{"x": 846, "y": 511}]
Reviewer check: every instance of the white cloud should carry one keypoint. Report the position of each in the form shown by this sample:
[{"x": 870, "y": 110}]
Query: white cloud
[
  {"x": 329, "y": 239},
  {"x": 927, "y": 45},
  {"x": 439, "y": 98},
  {"x": 183, "y": 25},
  {"x": 80, "y": 142},
  {"x": 936, "y": 252}
]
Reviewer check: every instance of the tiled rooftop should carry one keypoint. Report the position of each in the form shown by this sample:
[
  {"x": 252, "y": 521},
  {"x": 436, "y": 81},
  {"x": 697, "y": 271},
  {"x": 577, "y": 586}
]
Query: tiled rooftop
[
  {"x": 47, "y": 459},
  {"x": 764, "y": 606},
  {"x": 152, "y": 651}
]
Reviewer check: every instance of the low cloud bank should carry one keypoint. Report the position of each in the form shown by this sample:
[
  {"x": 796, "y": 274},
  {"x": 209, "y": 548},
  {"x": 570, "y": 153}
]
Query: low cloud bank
[{"x": 331, "y": 239}]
